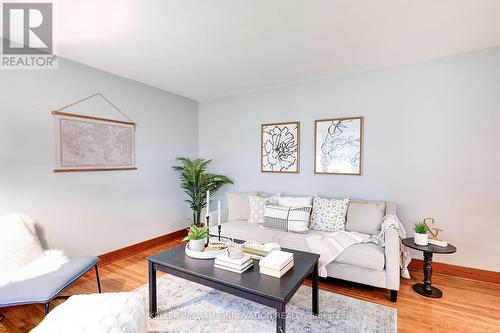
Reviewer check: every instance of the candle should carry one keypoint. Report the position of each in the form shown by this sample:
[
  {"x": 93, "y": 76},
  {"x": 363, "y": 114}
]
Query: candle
[
  {"x": 208, "y": 202},
  {"x": 218, "y": 213}
]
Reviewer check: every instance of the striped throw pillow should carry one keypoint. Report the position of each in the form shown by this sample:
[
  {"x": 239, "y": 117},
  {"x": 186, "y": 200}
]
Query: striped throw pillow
[{"x": 295, "y": 219}]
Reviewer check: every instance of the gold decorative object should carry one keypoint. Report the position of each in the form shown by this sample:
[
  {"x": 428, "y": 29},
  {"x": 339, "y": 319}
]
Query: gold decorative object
[{"x": 433, "y": 232}]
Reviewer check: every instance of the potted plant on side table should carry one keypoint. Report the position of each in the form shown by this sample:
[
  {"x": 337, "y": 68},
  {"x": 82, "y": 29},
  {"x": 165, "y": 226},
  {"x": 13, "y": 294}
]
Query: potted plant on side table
[
  {"x": 197, "y": 237},
  {"x": 420, "y": 235}
]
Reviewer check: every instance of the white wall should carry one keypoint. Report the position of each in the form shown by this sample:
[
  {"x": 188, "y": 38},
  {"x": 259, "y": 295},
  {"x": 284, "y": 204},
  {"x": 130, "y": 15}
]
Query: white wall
[
  {"x": 432, "y": 131},
  {"x": 95, "y": 212}
]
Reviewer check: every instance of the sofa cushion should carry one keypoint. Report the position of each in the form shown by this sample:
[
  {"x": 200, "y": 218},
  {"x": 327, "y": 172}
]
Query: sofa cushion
[
  {"x": 364, "y": 255},
  {"x": 273, "y": 196},
  {"x": 365, "y": 216},
  {"x": 358, "y": 274},
  {"x": 297, "y": 241},
  {"x": 243, "y": 230},
  {"x": 294, "y": 201},
  {"x": 238, "y": 206},
  {"x": 329, "y": 214}
]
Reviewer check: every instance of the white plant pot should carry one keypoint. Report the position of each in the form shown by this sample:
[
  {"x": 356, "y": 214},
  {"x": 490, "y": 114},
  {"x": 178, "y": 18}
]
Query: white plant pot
[
  {"x": 197, "y": 244},
  {"x": 421, "y": 239}
]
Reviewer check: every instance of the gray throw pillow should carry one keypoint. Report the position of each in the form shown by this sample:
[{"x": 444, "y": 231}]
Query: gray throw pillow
[{"x": 365, "y": 216}]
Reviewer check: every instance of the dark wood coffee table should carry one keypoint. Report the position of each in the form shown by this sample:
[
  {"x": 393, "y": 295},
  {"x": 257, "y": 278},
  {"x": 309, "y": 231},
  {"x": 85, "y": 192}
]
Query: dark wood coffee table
[
  {"x": 426, "y": 288},
  {"x": 251, "y": 285}
]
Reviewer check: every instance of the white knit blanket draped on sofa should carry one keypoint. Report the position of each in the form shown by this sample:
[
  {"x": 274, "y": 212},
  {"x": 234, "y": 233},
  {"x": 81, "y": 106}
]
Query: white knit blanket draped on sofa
[
  {"x": 21, "y": 254},
  {"x": 330, "y": 246}
]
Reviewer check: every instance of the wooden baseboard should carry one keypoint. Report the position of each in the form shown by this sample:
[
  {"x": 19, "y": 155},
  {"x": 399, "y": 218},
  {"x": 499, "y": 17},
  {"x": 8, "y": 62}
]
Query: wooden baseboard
[
  {"x": 106, "y": 258},
  {"x": 459, "y": 271}
]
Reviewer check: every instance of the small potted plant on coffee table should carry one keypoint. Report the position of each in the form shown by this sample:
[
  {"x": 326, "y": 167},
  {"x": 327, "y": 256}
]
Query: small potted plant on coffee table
[
  {"x": 420, "y": 235},
  {"x": 197, "y": 237}
]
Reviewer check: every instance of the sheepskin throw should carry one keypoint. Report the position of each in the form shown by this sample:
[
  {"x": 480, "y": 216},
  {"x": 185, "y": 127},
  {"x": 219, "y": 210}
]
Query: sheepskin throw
[{"x": 21, "y": 254}]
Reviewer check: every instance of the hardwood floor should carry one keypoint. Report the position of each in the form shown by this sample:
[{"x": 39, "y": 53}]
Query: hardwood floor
[{"x": 467, "y": 305}]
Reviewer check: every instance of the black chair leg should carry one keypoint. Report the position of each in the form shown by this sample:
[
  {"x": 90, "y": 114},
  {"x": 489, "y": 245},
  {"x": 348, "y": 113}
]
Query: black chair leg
[
  {"x": 1, "y": 317},
  {"x": 98, "y": 281},
  {"x": 394, "y": 295},
  {"x": 46, "y": 306}
]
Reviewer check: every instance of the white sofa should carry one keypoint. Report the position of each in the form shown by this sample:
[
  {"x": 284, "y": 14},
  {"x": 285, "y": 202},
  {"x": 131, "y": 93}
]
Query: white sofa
[{"x": 365, "y": 263}]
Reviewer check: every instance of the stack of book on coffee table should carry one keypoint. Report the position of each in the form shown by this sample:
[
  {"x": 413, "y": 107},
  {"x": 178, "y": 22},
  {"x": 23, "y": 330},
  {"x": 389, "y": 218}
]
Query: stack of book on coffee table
[
  {"x": 276, "y": 263},
  {"x": 257, "y": 250},
  {"x": 223, "y": 261}
]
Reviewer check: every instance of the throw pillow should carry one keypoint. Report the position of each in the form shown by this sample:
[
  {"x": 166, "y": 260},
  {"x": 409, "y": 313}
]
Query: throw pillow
[
  {"x": 295, "y": 201},
  {"x": 329, "y": 214},
  {"x": 258, "y": 206},
  {"x": 295, "y": 219},
  {"x": 237, "y": 205},
  {"x": 19, "y": 244},
  {"x": 269, "y": 195},
  {"x": 365, "y": 216}
]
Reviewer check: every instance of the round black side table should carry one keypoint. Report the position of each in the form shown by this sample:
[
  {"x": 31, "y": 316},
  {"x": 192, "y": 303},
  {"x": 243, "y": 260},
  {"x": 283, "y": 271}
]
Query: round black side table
[{"x": 426, "y": 288}]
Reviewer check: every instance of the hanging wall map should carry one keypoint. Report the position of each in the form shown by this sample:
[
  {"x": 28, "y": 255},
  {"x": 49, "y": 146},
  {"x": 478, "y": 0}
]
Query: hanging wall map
[{"x": 86, "y": 143}]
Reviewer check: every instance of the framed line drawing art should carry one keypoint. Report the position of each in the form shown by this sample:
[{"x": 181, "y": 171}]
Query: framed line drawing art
[
  {"x": 280, "y": 144},
  {"x": 338, "y": 146}
]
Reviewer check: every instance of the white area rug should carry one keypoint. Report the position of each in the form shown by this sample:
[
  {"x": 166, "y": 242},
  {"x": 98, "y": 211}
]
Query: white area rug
[{"x": 185, "y": 306}]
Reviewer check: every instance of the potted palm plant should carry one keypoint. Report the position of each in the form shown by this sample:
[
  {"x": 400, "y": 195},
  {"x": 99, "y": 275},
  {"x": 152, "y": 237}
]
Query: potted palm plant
[
  {"x": 421, "y": 237},
  {"x": 195, "y": 181},
  {"x": 196, "y": 236}
]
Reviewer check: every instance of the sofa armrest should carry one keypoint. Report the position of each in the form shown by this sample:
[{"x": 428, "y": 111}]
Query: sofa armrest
[{"x": 392, "y": 258}]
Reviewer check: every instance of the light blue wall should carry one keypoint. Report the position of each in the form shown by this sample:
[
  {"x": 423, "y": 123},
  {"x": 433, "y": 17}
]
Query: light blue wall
[
  {"x": 93, "y": 212},
  {"x": 432, "y": 131}
]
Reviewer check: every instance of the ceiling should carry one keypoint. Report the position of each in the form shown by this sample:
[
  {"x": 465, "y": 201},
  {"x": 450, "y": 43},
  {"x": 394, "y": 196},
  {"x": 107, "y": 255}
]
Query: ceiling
[{"x": 205, "y": 49}]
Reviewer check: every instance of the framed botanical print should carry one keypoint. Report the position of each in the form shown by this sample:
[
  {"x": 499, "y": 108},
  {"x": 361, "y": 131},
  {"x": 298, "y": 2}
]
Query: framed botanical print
[
  {"x": 280, "y": 147},
  {"x": 338, "y": 146}
]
